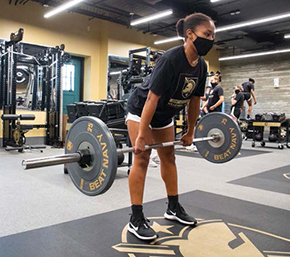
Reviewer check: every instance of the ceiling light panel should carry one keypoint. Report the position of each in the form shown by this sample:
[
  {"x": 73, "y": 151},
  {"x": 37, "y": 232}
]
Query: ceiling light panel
[{"x": 156, "y": 16}]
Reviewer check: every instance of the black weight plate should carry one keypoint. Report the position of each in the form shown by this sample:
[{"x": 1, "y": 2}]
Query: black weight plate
[
  {"x": 231, "y": 137},
  {"x": 93, "y": 134},
  {"x": 22, "y": 75}
]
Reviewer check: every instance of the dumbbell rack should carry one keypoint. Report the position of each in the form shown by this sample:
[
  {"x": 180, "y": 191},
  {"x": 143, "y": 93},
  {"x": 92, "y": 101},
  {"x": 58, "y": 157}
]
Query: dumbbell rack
[{"x": 278, "y": 124}]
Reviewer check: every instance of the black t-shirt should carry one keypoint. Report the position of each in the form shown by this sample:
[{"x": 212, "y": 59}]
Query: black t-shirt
[
  {"x": 214, "y": 97},
  {"x": 240, "y": 99},
  {"x": 175, "y": 81},
  {"x": 248, "y": 87}
]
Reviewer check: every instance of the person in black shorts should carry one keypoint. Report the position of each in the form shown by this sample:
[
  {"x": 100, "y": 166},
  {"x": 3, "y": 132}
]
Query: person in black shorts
[
  {"x": 216, "y": 96},
  {"x": 237, "y": 100},
  {"x": 248, "y": 91},
  {"x": 177, "y": 81}
]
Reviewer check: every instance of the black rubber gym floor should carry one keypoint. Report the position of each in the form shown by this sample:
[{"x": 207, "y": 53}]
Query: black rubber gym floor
[
  {"x": 227, "y": 227},
  {"x": 243, "y": 153},
  {"x": 276, "y": 180}
]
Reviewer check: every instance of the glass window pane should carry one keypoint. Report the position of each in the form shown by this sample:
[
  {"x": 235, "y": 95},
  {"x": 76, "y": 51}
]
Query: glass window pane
[{"x": 68, "y": 77}]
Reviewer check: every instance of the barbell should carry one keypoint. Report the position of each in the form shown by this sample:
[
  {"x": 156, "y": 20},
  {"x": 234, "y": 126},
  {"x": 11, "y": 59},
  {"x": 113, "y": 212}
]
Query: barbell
[{"x": 91, "y": 156}]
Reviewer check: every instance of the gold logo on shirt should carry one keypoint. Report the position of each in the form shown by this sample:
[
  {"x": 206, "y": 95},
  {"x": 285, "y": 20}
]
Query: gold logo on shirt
[{"x": 188, "y": 87}]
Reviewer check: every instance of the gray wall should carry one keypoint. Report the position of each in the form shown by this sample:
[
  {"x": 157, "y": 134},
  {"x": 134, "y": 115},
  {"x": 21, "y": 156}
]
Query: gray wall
[{"x": 263, "y": 70}]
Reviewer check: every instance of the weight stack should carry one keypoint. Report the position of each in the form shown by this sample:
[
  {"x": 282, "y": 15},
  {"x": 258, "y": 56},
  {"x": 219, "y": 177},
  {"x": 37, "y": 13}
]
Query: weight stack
[
  {"x": 71, "y": 112},
  {"x": 81, "y": 108},
  {"x": 99, "y": 110}
]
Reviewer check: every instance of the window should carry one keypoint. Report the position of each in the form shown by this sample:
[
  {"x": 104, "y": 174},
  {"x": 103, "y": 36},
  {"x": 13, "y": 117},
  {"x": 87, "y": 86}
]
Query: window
[{"x": 68, "y": 77}]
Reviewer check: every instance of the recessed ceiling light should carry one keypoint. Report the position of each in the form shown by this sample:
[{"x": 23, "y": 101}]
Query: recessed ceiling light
[
  {"x": 241, "y": 24},
  {"x": 172, "y": 39},
  {"x": 62, "y": 8},
  {"x": 287, "y": 36},
  {"x": 253, "y": 22},
  {"x": 253, "y": 55},
  {"x": 115, "y": 72},
  {"x": 151, "y": 17}
]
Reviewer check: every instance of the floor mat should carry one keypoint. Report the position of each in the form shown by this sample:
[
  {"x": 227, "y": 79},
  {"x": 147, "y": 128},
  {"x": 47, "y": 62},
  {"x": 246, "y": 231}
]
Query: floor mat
[
  {"x": 276, "y": 180},
  {"x": 227, "y": 228}
]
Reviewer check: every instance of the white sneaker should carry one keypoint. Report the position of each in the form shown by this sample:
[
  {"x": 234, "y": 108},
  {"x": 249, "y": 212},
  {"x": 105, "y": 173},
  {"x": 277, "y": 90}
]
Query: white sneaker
[
  {"x": 192, "y": 148},
  {"x": 152, "y": 164},
  {"x": 156, "y": 159}
]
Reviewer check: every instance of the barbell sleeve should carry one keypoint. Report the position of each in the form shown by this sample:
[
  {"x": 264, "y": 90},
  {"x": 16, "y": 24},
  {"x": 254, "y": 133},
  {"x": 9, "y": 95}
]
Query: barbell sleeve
[{"x": 51, "y": 161}]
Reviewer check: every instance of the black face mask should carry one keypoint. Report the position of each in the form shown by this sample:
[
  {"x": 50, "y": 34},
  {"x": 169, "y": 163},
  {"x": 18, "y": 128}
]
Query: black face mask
[
  {"x": 213, "y": 84},
  {"x": 202, "y": 45},
  {"x": 237, "y": 91}
]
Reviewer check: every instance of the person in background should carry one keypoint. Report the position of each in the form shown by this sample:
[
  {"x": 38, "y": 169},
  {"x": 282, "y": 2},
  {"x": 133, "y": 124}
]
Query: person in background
[
  {"x": 237, "y": 100},
  {"x": 248, "y": 91},
  {"x": 216, "y": 96},
  {"x": 203, "y": 109}
]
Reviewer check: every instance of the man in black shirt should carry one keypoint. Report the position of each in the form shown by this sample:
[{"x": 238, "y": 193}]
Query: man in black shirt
[
  {"x": 177, "y": 81},
  {"x": 216, "y": 96},
  {"x": 237, "y": 100},
  {"x": 248, "y": 91}
]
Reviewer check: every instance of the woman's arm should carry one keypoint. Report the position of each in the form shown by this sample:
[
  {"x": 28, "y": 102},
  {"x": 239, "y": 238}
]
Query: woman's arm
[
  {"x": 148, "y": 112},
  {"x": 146, "y": 117},
  {"x": 233, "y": 100}
]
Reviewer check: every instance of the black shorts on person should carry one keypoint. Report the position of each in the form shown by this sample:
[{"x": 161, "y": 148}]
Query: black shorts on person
[
  {"x": 157, "y": 123},
  {"x": 235, "y": 112},
  {"x": 247, "y": 96}
]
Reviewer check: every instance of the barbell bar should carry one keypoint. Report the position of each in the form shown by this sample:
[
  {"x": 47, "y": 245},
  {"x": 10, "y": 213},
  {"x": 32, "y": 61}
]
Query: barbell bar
[
  {"x": 78, "y": 157},
  {"x": 91, "y": 157}
]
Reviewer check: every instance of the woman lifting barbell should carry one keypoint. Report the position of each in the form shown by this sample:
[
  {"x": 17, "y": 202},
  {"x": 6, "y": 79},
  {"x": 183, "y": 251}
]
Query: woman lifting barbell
[{"x": 177, "y": 80}]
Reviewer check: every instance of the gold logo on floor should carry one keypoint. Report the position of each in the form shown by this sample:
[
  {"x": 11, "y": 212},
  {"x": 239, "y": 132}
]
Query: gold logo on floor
[{"x": 210, "y": 238}]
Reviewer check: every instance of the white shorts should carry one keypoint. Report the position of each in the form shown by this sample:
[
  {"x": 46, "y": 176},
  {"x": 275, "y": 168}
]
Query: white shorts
[{"x": 136, "y": 118}]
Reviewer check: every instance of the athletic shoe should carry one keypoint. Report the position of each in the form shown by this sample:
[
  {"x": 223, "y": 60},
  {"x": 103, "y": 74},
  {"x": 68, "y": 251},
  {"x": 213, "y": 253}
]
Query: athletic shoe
[
  {"x": 152, "y": 164},
  {"x": 156, "y": 159},
  {"x": 192, "y": 148},
  {"x": 141, "y": 229},
  {"x": 180, "y": 215}
]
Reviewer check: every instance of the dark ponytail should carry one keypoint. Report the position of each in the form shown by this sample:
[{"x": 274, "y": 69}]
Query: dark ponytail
[
  {"x": 190, "y": 22},
  {"x": 179, "y": 28}
]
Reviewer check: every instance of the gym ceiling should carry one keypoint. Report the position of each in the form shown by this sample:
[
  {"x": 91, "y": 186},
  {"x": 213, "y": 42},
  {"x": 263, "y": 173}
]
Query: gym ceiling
[{"x": 259, "y": 37}]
